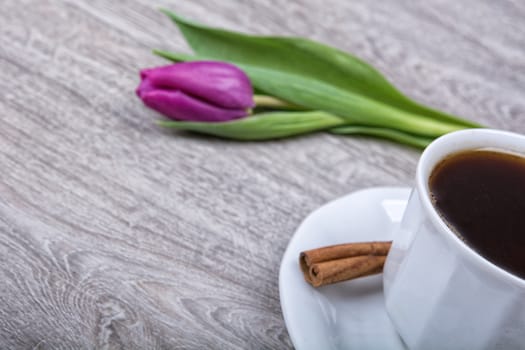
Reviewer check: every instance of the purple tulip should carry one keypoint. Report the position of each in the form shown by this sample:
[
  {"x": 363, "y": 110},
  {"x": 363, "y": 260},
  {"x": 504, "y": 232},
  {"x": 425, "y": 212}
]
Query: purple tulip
[{"x": 197, "y": 91}]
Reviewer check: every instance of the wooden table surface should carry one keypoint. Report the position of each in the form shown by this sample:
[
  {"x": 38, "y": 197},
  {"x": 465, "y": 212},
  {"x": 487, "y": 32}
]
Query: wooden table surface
[{"x": 115, "y": 234}]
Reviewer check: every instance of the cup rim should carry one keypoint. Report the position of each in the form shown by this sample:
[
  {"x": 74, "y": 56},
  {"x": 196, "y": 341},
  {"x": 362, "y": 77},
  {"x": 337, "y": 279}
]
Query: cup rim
[{"x": 454, "y": 139}]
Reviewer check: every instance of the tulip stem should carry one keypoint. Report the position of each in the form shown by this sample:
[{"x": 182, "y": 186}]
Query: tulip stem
[{"x": 274, "y": 103}]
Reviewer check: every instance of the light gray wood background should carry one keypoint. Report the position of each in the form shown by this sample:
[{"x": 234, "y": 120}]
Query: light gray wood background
[{"x": 115, "y": 234}]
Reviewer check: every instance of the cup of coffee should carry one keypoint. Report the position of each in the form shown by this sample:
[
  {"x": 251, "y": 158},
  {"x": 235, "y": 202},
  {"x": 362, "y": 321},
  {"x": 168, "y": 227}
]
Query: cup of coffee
[{"x": 455, "y": 275}]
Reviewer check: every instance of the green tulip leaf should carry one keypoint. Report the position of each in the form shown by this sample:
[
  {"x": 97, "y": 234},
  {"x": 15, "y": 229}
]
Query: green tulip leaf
[
  {"x": 262, "y": 126},
  {"x": 389, "y": 134},
  {"x": 316, "y": 76}
]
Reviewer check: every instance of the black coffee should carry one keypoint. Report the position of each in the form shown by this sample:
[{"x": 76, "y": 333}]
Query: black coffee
[{"x": 481, "y": 196}]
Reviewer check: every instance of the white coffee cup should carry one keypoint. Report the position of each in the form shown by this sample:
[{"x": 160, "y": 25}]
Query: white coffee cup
[{"x": 440, "y": 293}]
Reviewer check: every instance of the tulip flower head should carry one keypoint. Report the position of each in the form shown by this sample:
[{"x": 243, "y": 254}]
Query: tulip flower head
[{"x": 204, "y": 91}]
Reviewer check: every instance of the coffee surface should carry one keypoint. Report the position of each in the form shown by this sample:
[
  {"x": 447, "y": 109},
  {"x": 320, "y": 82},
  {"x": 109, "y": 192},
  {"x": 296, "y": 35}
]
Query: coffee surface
[{"x": 481, "y": 196}]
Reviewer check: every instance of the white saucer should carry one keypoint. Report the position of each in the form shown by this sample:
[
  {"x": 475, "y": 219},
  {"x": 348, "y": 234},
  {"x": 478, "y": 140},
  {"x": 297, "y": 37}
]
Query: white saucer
[{"x": 348, "y": 315}]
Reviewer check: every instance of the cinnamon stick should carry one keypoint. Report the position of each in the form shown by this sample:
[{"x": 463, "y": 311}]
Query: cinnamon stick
[{"x": 342, "y": 262}]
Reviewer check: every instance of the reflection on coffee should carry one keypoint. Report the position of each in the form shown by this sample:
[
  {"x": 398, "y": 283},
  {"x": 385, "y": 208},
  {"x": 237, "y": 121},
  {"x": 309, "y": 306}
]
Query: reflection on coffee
[{"x": 481, "y": 196}]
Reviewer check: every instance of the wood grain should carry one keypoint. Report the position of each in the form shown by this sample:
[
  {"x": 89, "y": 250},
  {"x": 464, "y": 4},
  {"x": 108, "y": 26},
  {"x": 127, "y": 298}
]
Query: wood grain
[{"x": 117, "y": 235}]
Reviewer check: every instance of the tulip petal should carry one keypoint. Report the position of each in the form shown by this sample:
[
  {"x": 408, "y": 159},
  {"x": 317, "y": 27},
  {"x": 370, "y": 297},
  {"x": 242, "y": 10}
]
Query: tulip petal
[
  {"x": 145, "y": 85},
  {"x": 179, "y": 106},
  {"x": 219, "y": 83}
]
